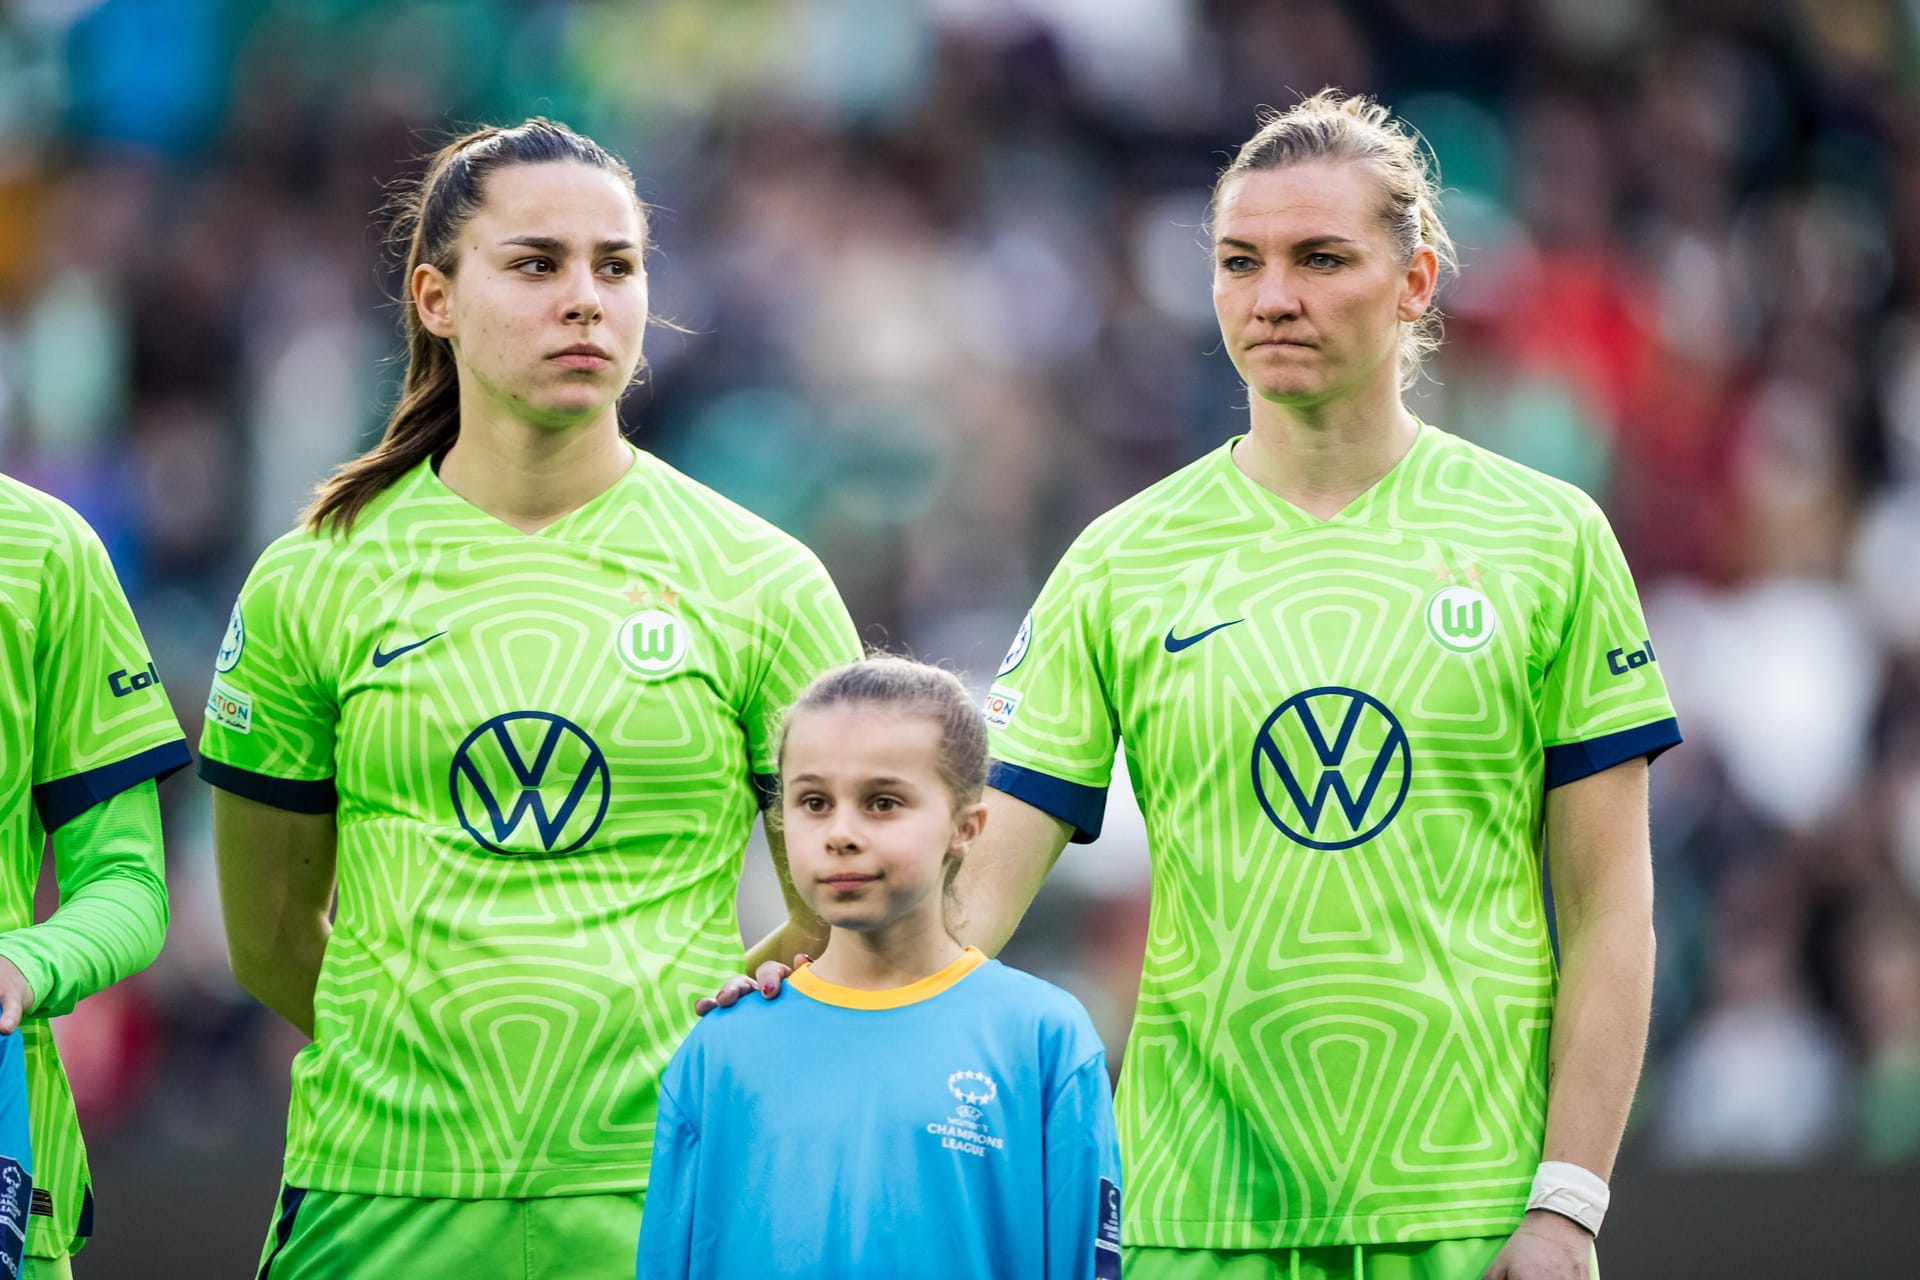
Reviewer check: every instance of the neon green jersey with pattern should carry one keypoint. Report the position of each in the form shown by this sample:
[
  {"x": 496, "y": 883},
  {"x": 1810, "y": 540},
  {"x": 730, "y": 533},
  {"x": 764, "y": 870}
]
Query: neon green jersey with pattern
[
  {"x": 86, "y": 721},
  {"x": 1341, "y": 733},
  {"x": 541, "y": 753}
]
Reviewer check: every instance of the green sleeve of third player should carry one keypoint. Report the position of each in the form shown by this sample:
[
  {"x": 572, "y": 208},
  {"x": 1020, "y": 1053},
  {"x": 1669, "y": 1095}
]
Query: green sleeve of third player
[
  {"x": 1603, "y": 699},
  {"x": 809, "y": 632},
  {"x": 1050, "y": 722},
  {"x": 271, "y": 711},
  {"x": 104, "y": 722},
  {"x": 113, "y": 904},
  {"x": 105, "y": 734}
]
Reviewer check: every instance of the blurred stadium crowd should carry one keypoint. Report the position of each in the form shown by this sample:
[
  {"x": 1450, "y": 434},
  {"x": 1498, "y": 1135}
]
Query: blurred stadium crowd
[{"x": 945, "y": 298}]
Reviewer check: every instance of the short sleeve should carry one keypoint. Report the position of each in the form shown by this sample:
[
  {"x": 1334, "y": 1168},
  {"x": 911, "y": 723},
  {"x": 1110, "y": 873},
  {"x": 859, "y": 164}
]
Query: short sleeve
[
  {"x": 105, "y": 723},
  {"x": 809, "y": 631},
  {"x": 271, "y": 711},
  {"x": 1050, "y": 721},
  {"x": 1603, "y": 700}
]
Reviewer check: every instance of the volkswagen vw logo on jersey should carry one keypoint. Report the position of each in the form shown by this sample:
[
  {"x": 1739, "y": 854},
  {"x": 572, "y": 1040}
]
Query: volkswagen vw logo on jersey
[
  {"x": 1331, "y": 767},
  {"x": 530, "y": 782}
]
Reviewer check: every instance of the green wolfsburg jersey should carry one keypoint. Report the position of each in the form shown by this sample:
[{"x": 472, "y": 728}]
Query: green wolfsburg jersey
[
  {"x": 541, "y": 750},
  {"x": 1341, "y": 734},
  {"x": 86, "y": 719}
]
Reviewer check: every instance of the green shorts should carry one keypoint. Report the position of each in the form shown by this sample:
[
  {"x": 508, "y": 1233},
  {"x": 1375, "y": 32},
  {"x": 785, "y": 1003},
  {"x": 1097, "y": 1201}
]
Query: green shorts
[
  {"x": 1428, "y": 1260},
  {"x": 333, "y": 1235},
  {"x": 34, "y": 1268}
]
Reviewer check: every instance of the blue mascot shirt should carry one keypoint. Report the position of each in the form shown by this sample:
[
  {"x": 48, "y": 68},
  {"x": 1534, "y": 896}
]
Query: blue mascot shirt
[{"x": 959, "y": 1127}]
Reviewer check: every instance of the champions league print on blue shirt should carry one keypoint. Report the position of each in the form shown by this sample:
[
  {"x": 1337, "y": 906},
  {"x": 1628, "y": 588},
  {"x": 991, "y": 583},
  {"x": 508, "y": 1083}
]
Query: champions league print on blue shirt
[{"x": 973, "y": 1110}]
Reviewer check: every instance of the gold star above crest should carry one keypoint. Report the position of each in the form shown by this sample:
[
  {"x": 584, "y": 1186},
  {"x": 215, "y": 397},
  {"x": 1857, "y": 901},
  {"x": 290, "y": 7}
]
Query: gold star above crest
[
  {"x": 1473, "y": 575},
  {"x": 1442, "y": 574},
  {"x": 663, "y": 598}
]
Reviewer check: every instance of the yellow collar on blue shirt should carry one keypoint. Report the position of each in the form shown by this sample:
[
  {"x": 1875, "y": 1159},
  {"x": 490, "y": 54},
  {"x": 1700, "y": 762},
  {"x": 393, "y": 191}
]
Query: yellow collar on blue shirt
[{"x": 926, "y": 988}]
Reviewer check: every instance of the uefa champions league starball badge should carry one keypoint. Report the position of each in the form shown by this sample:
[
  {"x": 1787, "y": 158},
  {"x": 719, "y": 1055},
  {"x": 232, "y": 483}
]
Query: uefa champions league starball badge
[{"x": 235, "y": 641}]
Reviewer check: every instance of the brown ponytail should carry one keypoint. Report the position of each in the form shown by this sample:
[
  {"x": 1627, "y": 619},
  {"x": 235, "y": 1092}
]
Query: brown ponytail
[{"x": 429, "y": 216}]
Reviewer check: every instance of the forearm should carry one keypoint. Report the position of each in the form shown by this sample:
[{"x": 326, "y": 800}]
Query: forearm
[
  {"x": 1003, "y": 873},
  {"x": 276, "y": 900},
  {"x": 1599, "y": 1035},
  {"x": 792, "y": 938},
  {"x": 803, "y": 932},
  {"x": 994, "y": 894},
  {"x": 112, "y": 916},
  {"x": 284, "y": 975}
]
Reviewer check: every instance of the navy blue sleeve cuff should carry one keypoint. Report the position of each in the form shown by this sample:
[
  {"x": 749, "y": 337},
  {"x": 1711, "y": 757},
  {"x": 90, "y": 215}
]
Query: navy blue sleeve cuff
[
  {"x": 766, "y": 789},
  {"x": 64, "y": 799},
  {"x": 291, "y": 794},
  {"x": 1082, "y": 807},
  {"x": 1576, "y": 760}
]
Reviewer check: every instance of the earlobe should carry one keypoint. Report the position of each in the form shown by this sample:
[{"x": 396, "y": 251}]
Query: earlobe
[
  {"x": 431, "y": 299},
  {"x": 1423, "y": 277},
  {"x": 969, "y": 823}
]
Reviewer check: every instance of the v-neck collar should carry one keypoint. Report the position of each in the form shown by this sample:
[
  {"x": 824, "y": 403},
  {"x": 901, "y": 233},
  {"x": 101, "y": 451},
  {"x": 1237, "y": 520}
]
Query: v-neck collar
[
  {"x": 1356, "y": 512},
  {"x": 438, "y": 488}
]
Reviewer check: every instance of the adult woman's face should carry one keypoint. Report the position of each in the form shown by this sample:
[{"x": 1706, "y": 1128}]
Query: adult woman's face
[
  {"x": 1308, "y": 288},
  {"x": 546, "y": 307}
]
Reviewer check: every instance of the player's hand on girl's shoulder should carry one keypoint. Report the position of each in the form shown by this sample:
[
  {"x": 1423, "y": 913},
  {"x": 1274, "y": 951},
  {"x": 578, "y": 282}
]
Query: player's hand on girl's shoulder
[
  {"x": 1546, "y": 1247},
  {"x": 767, "y": 980}
]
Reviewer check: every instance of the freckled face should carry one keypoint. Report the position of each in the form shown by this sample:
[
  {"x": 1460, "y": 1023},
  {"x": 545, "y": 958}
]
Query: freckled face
[
  {"x": 546, "y": 307},
  {"x": 1307, "y": 285}
]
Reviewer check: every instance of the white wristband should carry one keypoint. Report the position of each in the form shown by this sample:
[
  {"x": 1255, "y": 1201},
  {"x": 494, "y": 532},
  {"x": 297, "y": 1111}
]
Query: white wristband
[{"x": 1571, "y": 1192}]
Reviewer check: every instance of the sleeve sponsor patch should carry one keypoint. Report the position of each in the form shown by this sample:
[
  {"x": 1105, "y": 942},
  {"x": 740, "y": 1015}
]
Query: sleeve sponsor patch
[
  {"x": 17, "y": 1193},
  {"x": 128, "y": 680},
  {"x": 228, "y": 706},
  {"x": 1106, "y": 1240},
  {"x": 999, "y": 707}
]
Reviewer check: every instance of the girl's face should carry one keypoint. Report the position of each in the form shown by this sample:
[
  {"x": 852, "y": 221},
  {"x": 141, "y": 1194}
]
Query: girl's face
[
  {"x": 1308, "y": 288},
  {"x": 869, "y": 822},
  {"x": 547, "y": 305}
]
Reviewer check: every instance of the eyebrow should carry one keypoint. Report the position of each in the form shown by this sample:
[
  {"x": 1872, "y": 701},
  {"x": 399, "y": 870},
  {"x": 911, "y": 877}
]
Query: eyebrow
[
  {"x": 1304, "y": 246},
  {"x": 896, "y": 783},
  {"x": 548, "y": 244}
]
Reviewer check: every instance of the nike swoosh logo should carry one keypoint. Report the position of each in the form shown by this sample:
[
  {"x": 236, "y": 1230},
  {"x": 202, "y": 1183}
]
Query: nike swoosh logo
[
  {"x": 1176, "y": 643},
  {"x": 382, "y": 659}
]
